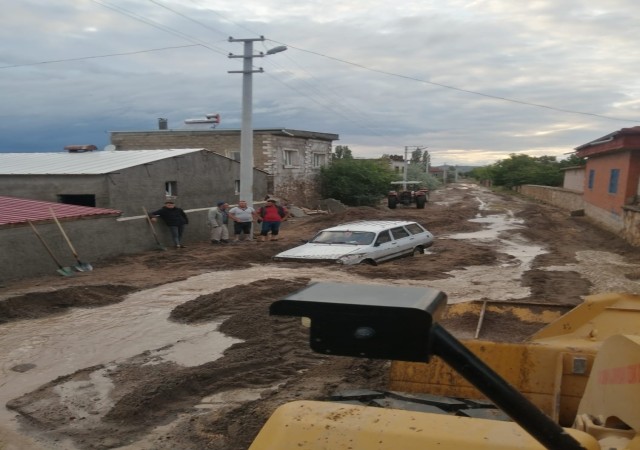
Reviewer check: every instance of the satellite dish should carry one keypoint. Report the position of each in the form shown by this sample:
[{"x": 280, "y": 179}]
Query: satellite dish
[{"x": 110, "y": 148}]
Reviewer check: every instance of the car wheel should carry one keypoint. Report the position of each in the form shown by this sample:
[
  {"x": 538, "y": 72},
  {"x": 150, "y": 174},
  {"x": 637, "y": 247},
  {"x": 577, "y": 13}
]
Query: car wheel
[
  {"x": 420, "y": 202},
  {"x": 419, "y": 250},
  {"x": 369, "y": 262},
  {"x": 392, "y": 202}
]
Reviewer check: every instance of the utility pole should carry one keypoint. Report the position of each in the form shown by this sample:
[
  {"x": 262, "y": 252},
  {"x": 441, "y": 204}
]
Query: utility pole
[
  {"x": 246, "y": 131},
  {"x": 406, "y": 168}
]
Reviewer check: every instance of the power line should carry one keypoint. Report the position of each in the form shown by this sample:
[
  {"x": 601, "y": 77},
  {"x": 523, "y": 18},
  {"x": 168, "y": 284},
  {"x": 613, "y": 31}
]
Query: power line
[
  {"x": 186, "y": 17},
  {"x": 159, "y": 26},
  {"x": 82, "y": 58},
  {"x": 467, "y": 91}
]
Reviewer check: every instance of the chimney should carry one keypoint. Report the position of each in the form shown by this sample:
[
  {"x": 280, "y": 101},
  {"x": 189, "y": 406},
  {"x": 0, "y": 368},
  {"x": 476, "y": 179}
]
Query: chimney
[{"x": 163, "y": 123}]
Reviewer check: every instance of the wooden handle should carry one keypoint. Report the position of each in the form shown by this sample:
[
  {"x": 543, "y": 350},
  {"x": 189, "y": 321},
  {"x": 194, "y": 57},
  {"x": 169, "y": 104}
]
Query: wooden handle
[
  {"x": 66, "y": 238},
  {"x": 45, "y": 244}
]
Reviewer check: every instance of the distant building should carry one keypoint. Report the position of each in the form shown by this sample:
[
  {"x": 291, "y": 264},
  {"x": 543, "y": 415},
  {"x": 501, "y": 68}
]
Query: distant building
[
  {"x": 397, "y": 163},
  {"x": 292, "y": 158}
]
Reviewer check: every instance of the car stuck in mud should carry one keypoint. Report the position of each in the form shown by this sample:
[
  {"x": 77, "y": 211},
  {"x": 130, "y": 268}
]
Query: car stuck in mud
[{"x": 365, "y": 241}]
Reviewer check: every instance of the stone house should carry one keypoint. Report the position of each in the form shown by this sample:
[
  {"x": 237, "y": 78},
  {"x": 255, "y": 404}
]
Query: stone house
[{"x": 291, "y": 158}]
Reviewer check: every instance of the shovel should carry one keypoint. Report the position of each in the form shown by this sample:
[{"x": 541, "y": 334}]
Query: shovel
[
  {"x": 153, "y": 230},
  {"x": 80, "y": 266},
  {"x": 64, "y": 271}
]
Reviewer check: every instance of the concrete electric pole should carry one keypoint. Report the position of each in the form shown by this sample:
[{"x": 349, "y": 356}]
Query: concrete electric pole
[{"x": 246, "y": 131}]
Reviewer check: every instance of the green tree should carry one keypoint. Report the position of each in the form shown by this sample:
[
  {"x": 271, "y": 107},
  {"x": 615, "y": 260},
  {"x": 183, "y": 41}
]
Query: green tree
[
  {"x": 417, "y": 172},
  {"x": 573, "y": 160},
  {"x": 356, "y": 182},
  {"x": 416, "y": 156},
  {"x": 342, "y": 152},
  {"x": 524, "y": 169}
]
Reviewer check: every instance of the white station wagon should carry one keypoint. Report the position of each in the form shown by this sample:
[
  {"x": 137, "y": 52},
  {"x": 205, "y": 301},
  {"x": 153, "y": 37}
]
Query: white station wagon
[{"x": 365, "y": 241}]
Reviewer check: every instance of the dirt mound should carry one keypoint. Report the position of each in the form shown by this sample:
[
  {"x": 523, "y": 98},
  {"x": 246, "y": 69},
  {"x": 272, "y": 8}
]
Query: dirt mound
[{"x": 40, "y": 304}]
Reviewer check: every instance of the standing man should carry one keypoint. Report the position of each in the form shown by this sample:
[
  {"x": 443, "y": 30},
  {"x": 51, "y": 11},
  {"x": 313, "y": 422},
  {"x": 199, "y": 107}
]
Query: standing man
[
  {"x": 175, "y": 218},
  {"x": 243, "y": 217},
  {"x": 218, "y": 218},
  {"x": 272, "y": 216}
]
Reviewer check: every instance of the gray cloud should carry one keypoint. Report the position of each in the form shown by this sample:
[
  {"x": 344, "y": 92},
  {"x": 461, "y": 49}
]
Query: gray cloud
[{"x": 561, "y": 54}]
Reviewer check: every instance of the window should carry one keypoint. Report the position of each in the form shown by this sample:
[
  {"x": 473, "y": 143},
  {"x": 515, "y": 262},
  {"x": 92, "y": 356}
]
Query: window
[
  {"x": 319, "y": 159},
  {"x": 592, "y": 175},
  {"x": 383, "y": 237},
  {"x": 78, "y": 199},
  {"x": 171, "y": 188},
  {"x": 236, "y": 186},
  {"x": 399, "y": 233},
  {"x": 290, "y": 158},
  {"x": 414, "y": 228},
  {"x": 613, "y": 181}
]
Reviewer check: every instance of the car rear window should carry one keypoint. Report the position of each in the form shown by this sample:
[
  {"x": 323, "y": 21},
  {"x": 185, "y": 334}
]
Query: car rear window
[
  {"x": 399, "y": 233},
  {"x": 414, "y": 228}
]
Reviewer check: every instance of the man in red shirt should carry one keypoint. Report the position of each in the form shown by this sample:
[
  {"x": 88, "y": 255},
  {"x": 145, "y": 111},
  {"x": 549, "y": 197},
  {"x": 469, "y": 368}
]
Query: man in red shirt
[{"x": 272, "y": 216}]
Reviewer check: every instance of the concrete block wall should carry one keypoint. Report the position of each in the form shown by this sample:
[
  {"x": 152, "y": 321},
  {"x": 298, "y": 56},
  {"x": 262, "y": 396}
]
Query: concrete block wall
[
  {"x": 631, "y": 220},
  {"x": 95, "y": 240},
  {"x": 627, "y": 225},
  {"x": 220, "y": 143},
  {"x": 569, "y": 200}
]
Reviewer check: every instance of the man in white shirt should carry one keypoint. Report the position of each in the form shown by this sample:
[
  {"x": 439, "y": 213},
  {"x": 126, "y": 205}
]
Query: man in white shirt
[{"x": 243, "y": 217}]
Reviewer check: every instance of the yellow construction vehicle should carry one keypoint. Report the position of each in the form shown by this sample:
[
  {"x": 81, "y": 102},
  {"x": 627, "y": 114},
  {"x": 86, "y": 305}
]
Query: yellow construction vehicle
[{"x": 573, "y": 385}]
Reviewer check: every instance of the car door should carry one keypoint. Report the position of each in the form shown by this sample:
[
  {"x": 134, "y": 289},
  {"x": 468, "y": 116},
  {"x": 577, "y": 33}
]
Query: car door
[
  {"x": 383, "y": 246},
  {"x": 399, "y": 244}
]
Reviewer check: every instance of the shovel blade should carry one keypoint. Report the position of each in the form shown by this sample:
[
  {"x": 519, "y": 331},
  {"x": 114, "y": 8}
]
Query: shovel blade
[
  {"x": 65, "y": 271},
  {"x": 83, "y": 267}
]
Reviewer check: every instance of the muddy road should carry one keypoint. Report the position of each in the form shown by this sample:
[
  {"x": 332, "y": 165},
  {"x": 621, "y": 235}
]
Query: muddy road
[{"x": 176, "y": 350}]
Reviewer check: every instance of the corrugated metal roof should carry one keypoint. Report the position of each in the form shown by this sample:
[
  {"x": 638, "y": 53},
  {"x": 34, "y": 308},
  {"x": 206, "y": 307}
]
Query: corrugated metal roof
[
  {"x": 19, "y": 210},
  {"x": 85, "y": 163}
]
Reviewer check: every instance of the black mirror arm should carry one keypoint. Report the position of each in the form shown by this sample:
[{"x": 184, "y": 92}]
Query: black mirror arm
[{"x": 505, "y": 396}]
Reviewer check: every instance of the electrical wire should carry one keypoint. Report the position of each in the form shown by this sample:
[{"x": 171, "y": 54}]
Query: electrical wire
[
  {"x": 82, "y": 58},
  {"x": 467, "y": 91},
  {"x": 159, "y": 26}
]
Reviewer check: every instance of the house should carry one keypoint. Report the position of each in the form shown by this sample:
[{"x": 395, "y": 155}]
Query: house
[
  {"x": 292, "y": 158},
  {"x": 612, "y": 180},
  {"x": 126, "y": 181},
  {"x": 397, "y": 163}
]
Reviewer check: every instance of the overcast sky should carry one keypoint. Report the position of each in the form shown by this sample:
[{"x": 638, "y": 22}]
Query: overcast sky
[{"x": 473, "y": 81}]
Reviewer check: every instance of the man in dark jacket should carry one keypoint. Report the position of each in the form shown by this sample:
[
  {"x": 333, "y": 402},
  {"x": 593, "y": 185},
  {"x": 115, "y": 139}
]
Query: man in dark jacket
[{"x": 175, "y": 218}]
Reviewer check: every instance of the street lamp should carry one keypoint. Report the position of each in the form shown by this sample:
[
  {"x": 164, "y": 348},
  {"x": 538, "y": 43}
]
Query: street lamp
[{"x": 246, "y": 132}]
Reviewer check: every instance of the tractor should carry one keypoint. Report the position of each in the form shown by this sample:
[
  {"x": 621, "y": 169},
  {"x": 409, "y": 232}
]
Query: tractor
[{"x": 410, "y": 192}]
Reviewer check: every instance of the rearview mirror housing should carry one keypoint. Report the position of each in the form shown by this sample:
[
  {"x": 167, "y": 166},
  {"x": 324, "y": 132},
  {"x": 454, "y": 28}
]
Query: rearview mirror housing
[{"x": 371, "y": 321}]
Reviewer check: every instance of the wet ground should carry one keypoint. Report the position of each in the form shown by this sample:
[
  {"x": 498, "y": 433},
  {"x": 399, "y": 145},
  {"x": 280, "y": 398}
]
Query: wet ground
[{"x": 176, "y": 350}]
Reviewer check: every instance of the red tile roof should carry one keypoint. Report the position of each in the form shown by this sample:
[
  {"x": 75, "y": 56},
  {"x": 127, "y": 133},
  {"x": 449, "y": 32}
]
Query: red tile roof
[{"x": 19, "y": 210}]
